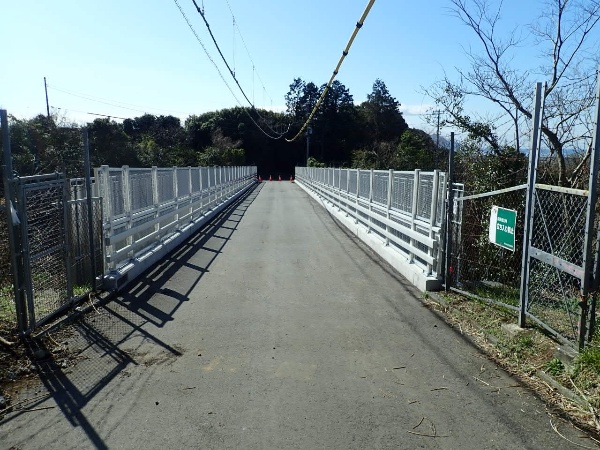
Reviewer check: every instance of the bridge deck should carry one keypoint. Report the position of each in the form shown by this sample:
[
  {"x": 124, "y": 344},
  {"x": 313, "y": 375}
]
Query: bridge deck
[{"x": 275, "y": 329}]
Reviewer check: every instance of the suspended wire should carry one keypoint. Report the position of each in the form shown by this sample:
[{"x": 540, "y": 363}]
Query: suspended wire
[
  {"x": 248, "y": 53},
  {"x": 110, "y": 116},
  {"x": 359, "y": 25},
  {"x": 116, "y": 104},
  {"x": 219, "y": 71},
  {"x": 232, "y": 72},
  {"x": 233, "y": 45}
]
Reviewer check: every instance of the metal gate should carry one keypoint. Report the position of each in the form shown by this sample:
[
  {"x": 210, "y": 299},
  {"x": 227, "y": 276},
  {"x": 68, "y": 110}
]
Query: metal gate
[
  {"x": 558, "y": 277},
  {"x": 54, "y": 239},
  {"x": 42, "y": 214}
]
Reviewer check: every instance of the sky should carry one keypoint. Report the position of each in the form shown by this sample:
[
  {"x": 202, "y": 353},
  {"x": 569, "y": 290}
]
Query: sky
[{"x": 121, "y": 58}]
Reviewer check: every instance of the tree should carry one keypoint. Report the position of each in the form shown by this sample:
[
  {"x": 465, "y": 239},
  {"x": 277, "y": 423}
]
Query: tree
[
  {"x": 301, "y": 99},
  {"x": 381, "y": 115},
  {"x": 110, "y": 145},
  {"x": 336, "y": 125},
  {"x": 568, "y": 63},
  {"x": 415, "y": 151}
]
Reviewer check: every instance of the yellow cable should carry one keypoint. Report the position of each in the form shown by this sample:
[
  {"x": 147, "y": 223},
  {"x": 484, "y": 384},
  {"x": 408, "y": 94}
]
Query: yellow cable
[{"x": 359, "y": 25}]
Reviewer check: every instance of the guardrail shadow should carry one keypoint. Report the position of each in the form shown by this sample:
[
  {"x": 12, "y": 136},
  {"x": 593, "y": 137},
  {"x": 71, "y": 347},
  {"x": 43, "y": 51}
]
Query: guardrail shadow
[{"x": 96, "y": 350}]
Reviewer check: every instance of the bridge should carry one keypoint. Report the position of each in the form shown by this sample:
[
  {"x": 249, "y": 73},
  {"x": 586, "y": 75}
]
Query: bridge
[{"x": 279, "y": 322}]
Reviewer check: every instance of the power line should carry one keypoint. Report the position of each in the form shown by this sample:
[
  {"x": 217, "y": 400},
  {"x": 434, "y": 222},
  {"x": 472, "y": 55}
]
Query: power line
[
  {"x": 219, "y": 71},
  {"x": 116, "y": 104},
  {"x": 248, "y": 53},
  {"x": 358, "y": 26},
  {"x": 91, "y": 113},
  {"x": 231, "y": 72}
]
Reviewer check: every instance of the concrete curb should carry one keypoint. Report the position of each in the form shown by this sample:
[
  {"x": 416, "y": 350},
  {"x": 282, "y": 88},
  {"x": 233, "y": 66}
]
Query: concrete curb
[{"x": 399, "y": 262}]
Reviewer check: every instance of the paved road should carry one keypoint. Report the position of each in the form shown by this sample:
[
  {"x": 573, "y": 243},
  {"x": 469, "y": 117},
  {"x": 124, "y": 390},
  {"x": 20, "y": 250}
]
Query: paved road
[{"x": 274, "y": 329}]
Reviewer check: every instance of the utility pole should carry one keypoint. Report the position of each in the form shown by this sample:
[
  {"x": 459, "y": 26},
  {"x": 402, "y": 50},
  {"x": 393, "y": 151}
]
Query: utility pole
[{"x": 47, "y": 104}]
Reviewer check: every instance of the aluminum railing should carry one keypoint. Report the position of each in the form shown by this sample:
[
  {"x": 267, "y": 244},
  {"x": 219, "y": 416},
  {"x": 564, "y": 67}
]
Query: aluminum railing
[
  {"x": 406, "y": 209},
  {"x": 143, "y": 207}
]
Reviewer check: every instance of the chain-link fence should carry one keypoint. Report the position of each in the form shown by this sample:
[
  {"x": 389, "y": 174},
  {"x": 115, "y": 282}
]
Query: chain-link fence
[
  {"x": 478, "y": 266},
  {"x": 483, "y": 269},
  {"x": 41, "y": 211},
  {"x": 556, "y": 266}
]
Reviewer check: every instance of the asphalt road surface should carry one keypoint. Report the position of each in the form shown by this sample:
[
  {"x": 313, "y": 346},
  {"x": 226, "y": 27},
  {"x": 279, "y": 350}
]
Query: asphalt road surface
[{"x": 274, "y": 329}]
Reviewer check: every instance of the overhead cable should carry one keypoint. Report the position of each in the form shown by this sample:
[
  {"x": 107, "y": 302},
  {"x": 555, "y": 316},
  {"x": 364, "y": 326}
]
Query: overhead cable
[
  {"x": 248, "y": 53},
  {"x": 359, "y": 25},
  {"x": 116, "y": 104},
  {"x": 231, "y": 71},
  {"x": 220, "y": 73}
]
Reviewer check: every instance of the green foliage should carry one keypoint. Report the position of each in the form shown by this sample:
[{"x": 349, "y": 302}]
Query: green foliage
[
  {"x": 213, "y": 156},
  {"x": 589, "y": 360},
  {"x": 517, "y": 348},
  {"x": 484, "y": 171},
  {"x": 313, "y": 162},
  {"x": 415, "y": 151},
  {"x": 381, "y": 115},
  {"x": 554, "y": 367}
]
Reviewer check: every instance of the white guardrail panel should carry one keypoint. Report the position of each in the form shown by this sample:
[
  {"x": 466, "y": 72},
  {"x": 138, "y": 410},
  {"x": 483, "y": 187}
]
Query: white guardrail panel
[
  {"x": 144, "y": 208},
  {"x": 401, "y": 213}
]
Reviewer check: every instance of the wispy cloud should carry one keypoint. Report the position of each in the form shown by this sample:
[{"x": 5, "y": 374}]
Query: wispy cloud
[{"x": 416, "y": 110}]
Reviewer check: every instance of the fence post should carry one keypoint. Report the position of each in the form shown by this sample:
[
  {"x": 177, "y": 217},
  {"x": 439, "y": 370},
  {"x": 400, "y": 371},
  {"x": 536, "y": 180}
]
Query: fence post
[
  {"x": 415, "y": 202},
  {"x": 590, "y": 283},
  {"x": 90, "y": 205},
  {"x": 529, "y": 205},
  {"x": 67, "y": 238},
  {"x": 11, "y": 222},
  {"x": 449, "y": 216}
]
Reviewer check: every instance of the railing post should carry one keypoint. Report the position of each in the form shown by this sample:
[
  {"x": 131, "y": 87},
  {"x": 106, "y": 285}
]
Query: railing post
[
  {"x": 221, "y": 183},
  {"x": 389, "y": 204},
  {"x": 103, "y": 179},
  {"x": 347, "y": 191},
  {"x": 126, "y": 192},
  {"x": 415, "y": 203},
  {"x": 357, "y": 195},
  {"x": 339, "y": 189},
  {"x": 372, "y": 172},
  {"x": 155, "y": 198},
  {"x": 214, "y": 186},
  {"x": 433, "y": 251},
  {"x": 201, "y": 190}
]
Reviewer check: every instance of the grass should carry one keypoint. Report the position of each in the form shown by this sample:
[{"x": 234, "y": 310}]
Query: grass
[
  {"x": 7, "y": 305},
  {"x": 527, "y": 353},
  {"x": 498, "y": 292}
]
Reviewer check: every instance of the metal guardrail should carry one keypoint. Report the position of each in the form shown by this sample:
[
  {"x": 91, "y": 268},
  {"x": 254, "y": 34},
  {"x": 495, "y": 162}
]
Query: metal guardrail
[
  {"x": 144, "y": 208},
  {"x": 406, "y": 209}
]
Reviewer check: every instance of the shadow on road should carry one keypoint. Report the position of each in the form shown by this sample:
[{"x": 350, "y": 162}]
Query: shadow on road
[{"x": 79, "y": 368}]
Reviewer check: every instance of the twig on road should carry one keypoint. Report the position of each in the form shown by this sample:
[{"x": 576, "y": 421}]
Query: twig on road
[
  {"x": 38, "y": 409},
  {"x": 567, "y": 439}
]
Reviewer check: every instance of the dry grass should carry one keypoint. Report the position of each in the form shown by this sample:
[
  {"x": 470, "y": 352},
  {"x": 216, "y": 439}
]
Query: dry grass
[{"x": 526, "y": 354}]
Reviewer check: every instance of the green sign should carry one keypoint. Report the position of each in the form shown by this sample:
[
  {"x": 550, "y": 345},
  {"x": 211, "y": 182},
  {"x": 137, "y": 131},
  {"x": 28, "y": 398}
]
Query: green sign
[{"x": 502, "y": 227}]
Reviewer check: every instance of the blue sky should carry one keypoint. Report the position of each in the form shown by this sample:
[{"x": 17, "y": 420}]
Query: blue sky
[{"x": 141, "y": 55}]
